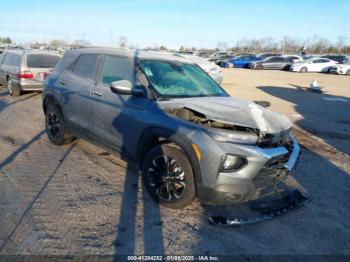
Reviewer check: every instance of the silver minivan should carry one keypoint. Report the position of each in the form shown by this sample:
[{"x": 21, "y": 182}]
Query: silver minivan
[{"x": 25, "y": 70}]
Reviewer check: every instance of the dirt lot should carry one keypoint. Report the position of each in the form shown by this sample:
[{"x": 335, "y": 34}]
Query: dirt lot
[{"x": 78, "y": 199}]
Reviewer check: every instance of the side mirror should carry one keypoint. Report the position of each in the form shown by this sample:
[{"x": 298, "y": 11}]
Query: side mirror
[{"x": 125, "y": 87}]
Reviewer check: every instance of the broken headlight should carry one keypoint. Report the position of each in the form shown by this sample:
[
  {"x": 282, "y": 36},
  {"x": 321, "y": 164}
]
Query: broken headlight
[
  {"x": 233, "y": 136},
  {"x": 232, "y": 162}
]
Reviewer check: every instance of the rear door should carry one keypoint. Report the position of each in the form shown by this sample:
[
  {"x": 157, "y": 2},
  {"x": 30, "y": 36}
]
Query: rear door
[
  {"x": 11, "y": 65},
  {"x": 320, "y": 65},
  {"x": 75, "y": 86}
]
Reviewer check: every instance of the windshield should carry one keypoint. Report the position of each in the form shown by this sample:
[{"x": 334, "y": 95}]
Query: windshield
[{"x": 176, "y": 80}]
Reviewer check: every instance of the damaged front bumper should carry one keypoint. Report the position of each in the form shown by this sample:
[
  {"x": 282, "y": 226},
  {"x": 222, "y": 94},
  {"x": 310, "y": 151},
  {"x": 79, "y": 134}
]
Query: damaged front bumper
[
  {"x": 273, "y": 153},
  {"x": 263, "y": 165}
]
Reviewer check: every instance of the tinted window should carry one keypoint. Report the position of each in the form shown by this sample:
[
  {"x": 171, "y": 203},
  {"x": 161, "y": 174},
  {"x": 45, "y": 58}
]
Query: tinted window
[
  {"x": 116, "y": 68},
  {"x": 281, "y": 59},
  {"x": 42, "y": 61},
  {"x": 274, "y": 59},
  {"x": 16, "y": 60},
  {"x": 321, "y": 61},
  {"x": 85, "y": 66},
  {"x": 2, "y": 56}
]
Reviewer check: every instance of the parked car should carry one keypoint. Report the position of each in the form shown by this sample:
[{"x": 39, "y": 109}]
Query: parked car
[
  {"x": 273, "y": 62},
  {"x": 341, "y": 59},
  {"x": 313, "y": 65},
  {"x": 25, "y": 70},
  {"x": 190, "y": 138},
  {"x": 295, "y": 58},
  {"x": 242, "y": 61},
  {"x": 209, "y": 67},
  {"x": 219, "y": 54},
  {"x": 342, "y": 69},
  {"x": 266, "y": 55},
  {"x": 222, "y": 59}
]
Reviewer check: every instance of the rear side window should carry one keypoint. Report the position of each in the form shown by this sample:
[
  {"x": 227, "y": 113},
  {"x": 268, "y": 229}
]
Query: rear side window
[
  {"x": 321, "y": 61},
  {"x": 42, "y": 60},
  {"x": 2, "y": 56},
  {"x": 16, "y": 60},
  {"x": 8, "y": 59},
  {"x": 85, "y": 66},
  {"x": 274, "y": 59},
  {"x": 116, "y": 68}
]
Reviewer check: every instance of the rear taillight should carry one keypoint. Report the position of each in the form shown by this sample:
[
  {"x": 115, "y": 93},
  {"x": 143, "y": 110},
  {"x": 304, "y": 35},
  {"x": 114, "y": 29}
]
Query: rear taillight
[{"x": 25, "y": 75}]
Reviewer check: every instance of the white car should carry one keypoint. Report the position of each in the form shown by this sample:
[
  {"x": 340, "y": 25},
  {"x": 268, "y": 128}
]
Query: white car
[
  {"x": 313, "y": 65},
  {"x": 342, "y": 69},
  {"x": 209, "y": 67}
]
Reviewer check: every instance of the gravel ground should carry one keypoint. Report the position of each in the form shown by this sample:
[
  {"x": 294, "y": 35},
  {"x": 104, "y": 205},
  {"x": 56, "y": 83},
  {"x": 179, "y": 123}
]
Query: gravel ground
[{"x": 80, "y": 200}]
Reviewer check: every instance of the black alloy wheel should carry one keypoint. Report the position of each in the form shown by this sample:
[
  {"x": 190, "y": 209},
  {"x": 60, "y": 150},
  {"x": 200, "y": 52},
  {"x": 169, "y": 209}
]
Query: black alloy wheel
[{"x": 168, "y": 176}]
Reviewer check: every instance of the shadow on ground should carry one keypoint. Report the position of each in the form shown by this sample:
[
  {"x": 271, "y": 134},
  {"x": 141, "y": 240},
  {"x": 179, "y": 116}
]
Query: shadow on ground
[{"x": 322, "y": 115}]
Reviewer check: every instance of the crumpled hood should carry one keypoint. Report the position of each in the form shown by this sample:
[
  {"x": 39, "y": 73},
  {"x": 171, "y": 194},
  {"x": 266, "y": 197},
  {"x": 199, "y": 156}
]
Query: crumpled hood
[{"x": 234, "y": 111}]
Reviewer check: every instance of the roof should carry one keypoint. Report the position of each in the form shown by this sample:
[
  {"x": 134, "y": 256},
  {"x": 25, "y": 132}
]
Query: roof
[
  {"x": 30, "y": 51},
  {"x": 152, "y": 55}
]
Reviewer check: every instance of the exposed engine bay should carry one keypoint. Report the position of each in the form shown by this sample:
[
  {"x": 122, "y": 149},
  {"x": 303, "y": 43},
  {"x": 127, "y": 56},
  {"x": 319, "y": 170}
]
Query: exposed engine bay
[{"x": 199, "y": 118}]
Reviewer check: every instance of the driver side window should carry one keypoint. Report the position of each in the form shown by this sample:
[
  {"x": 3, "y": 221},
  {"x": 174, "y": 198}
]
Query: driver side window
[{"x": 115, "y": 69}]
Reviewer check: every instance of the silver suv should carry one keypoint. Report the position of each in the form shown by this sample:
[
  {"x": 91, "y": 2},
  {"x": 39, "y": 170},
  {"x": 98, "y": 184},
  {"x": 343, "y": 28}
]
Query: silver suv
[
  {"x": 190, "y": 138},
  {"x": 25, "y": 70}
]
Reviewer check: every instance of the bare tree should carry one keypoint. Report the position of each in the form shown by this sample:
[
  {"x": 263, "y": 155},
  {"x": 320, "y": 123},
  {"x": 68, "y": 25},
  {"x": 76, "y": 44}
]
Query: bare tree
[
  {"x": 5, "y": 40},
  {"x": 222, "y": 46},
  {"x": 340, "y": 44}
]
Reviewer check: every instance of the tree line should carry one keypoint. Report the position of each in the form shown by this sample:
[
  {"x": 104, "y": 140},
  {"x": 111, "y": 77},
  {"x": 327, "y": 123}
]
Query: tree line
[{"x": 287, "y": 45}]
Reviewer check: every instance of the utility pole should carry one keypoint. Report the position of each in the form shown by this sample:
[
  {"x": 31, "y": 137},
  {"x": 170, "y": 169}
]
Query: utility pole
[{"x": 111, "y": 36}]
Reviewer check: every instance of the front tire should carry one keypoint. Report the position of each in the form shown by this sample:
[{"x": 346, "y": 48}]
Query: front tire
[
  {"x": 168, "y": 176},
  {"x": 231, "y": 65},
  {"x": 55, "y": 126},
  {"x": 348, "y": 72},
  {"x": 303, "y": 70},
  {"x": 259, "y": 67}
]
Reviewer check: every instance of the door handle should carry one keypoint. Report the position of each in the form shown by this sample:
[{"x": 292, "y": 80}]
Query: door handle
[
  {"x": 97, "y": 93},
  {"x": 62, "y": 83}
]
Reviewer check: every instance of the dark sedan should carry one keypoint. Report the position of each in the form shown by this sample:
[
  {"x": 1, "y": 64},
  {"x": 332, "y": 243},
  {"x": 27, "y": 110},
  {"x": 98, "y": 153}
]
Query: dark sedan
[
  {"x": 275, "y": 62},
  {"x": 341, "y": 59}
]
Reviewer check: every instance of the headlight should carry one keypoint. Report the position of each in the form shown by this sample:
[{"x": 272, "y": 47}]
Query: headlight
[
  {"x": 232, "y": 162},
  {"x": 233, "y": 136}
]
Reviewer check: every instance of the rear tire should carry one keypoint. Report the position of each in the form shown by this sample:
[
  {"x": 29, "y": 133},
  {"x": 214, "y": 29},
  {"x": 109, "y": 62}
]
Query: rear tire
[
  {"x": 168, "y": 176},
  {"x": 55, "y": 126},
  {"x": 231, "y": 65},
  {"x": 13, "y": 89},
  {"x": 303, "y": 70},
  {"x": 348, "y": 72}
]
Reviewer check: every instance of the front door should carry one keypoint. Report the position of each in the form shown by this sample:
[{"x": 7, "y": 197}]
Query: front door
[{"x": 114, "y": 116}]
